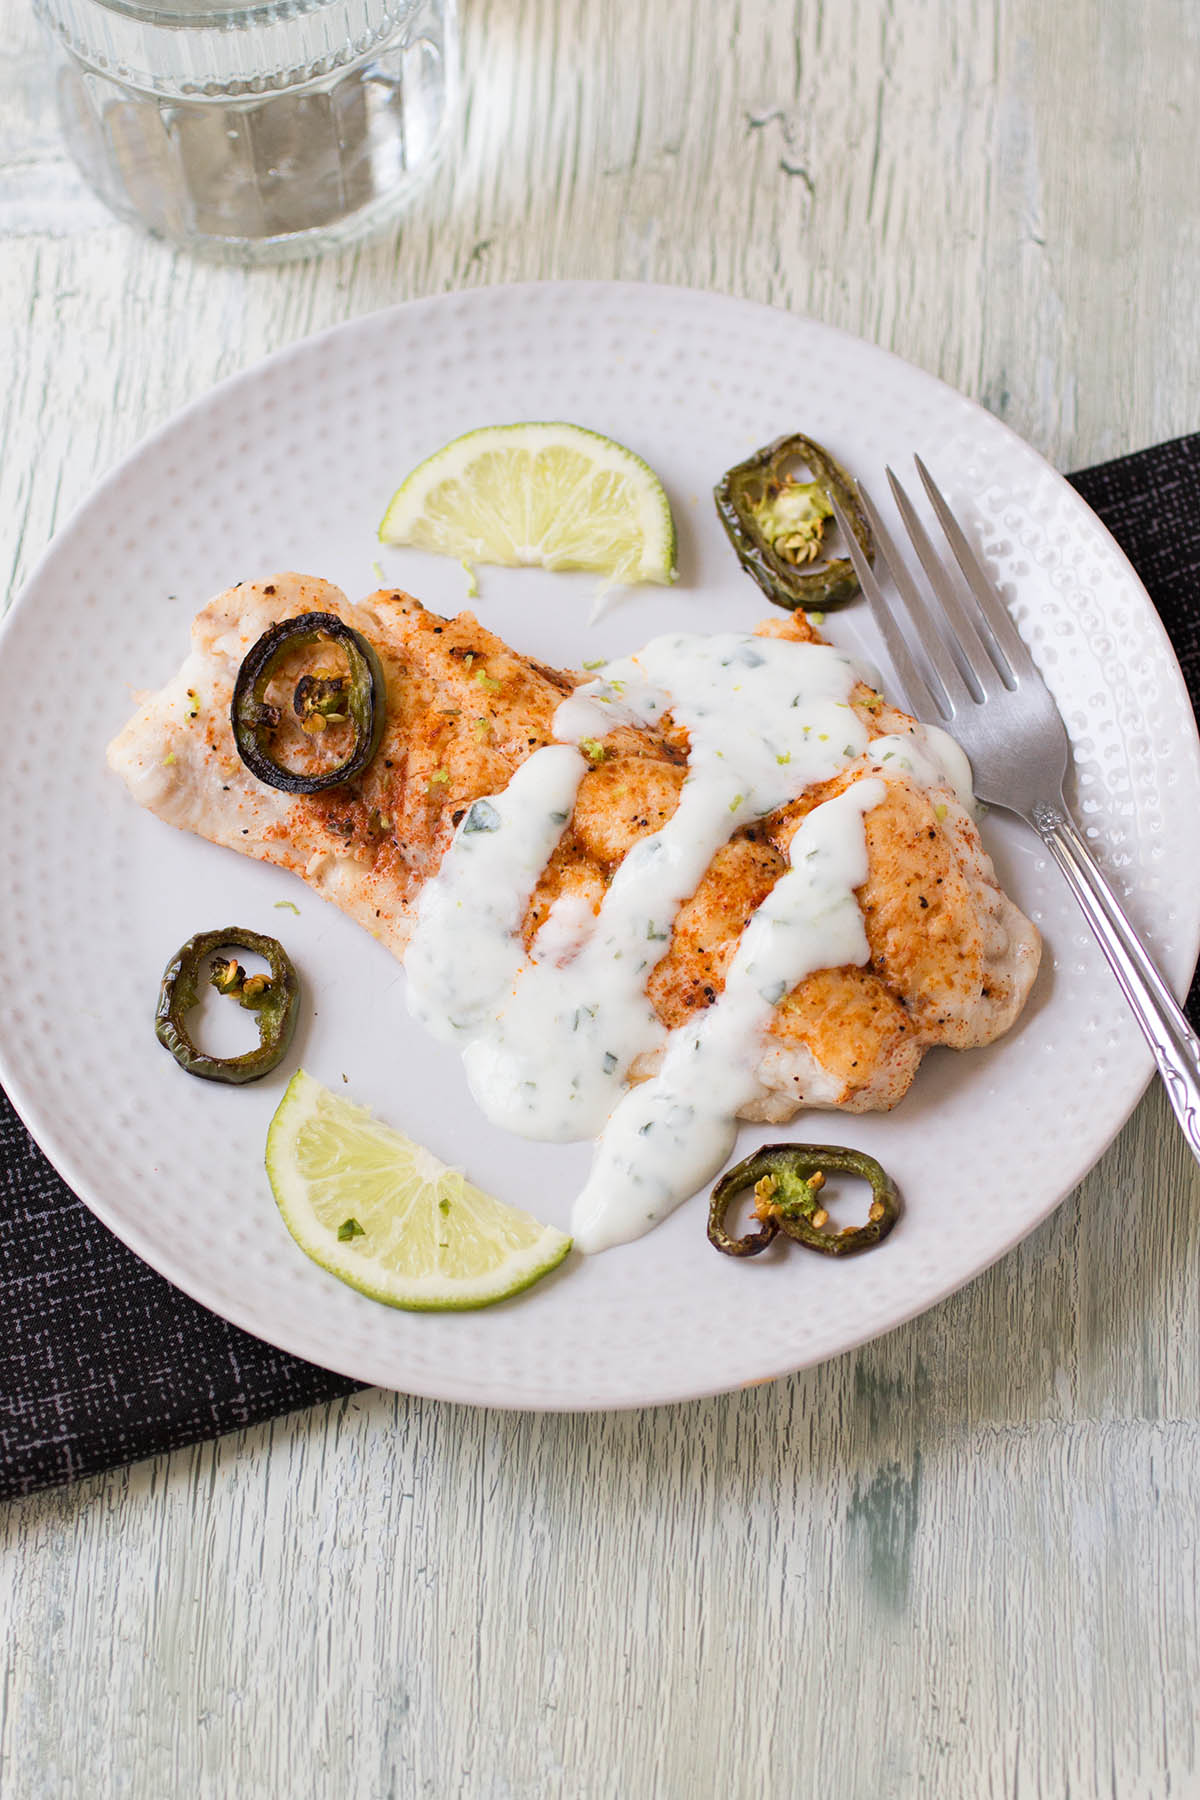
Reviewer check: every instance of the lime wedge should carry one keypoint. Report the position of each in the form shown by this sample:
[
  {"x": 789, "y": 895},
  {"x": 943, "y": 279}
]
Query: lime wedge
[
  {"x": 382, "y": 1213},
  {"x": 552, "y": 495}
]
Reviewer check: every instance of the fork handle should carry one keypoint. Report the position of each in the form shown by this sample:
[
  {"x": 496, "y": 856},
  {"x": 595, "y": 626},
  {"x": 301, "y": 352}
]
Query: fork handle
[{"x": 1175, "y": 1045}]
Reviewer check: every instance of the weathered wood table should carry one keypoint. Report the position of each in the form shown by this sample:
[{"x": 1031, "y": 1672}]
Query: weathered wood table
[{"x": 961, "y": 1561}]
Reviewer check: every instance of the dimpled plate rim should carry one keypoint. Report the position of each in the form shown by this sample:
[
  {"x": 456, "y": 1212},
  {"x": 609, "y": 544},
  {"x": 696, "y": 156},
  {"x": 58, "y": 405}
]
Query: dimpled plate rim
[{"x": 693, "y": 381}]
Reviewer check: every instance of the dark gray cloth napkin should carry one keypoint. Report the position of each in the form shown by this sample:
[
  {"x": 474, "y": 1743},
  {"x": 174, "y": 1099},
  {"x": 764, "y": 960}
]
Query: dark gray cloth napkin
[{"x": 103, "y": 1362}]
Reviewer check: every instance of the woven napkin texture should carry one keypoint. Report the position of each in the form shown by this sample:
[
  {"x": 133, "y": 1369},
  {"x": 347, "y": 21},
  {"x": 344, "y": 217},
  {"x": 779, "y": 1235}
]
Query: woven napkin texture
[{"x": 102, "y": 1361}]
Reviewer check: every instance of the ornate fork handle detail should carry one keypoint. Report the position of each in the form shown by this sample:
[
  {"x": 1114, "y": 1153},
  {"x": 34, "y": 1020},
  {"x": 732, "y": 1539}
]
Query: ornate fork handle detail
[{"x": 1175, "y": 1045}]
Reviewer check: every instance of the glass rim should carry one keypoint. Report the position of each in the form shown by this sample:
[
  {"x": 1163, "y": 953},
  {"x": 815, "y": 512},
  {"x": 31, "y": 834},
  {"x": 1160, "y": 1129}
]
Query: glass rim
[
  {"x": 201, "y": 14},
  {"x": 206, "y": 15}
]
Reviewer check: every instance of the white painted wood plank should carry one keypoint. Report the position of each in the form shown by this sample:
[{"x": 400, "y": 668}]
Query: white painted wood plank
[{"x": 959, "y": 1561}]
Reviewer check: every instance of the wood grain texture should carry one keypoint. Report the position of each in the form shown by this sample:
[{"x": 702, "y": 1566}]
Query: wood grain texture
[{"x": 961, "y": 1561}]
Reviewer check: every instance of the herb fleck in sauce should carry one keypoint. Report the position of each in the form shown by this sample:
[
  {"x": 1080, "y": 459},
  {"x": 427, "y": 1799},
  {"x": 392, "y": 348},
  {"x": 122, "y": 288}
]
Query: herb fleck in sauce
[{"x": 548, "y": 1039}]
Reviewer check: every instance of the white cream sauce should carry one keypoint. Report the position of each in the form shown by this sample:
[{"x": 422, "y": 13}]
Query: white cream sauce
[
  {"x": 465, "y": 953},
  {"x": 931, "y": 757},
  {"x": 548, "y": 1038},
  {"x": 669, "y": 1134}
]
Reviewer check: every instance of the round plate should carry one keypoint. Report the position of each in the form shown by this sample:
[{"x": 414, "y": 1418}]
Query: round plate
[{"x": 291, "y": 466}]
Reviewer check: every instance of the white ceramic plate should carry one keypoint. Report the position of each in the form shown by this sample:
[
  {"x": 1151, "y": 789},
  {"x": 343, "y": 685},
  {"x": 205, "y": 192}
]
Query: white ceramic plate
[{"x": 290, "y": 466}]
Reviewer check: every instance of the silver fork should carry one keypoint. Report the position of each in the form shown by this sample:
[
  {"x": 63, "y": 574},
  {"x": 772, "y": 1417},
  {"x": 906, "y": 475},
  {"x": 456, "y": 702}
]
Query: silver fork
[{"x": 980, "y": 684}]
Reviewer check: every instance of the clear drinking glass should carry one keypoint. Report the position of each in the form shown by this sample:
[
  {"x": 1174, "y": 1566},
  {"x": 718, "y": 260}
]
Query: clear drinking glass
[{"x": 254, "y": 131}]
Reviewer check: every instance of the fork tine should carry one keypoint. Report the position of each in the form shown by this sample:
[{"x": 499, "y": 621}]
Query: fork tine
[
  {"x": 930, "y": 633},
  {"x": 1008, "y": 640},
  {"x": 916, "y": 693},
  {"x": 974, "y": 659}
]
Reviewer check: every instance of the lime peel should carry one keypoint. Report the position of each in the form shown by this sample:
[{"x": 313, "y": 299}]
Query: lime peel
[
  {"x": 548, "y": 494},
  {"x": 384, "y": 1215}
]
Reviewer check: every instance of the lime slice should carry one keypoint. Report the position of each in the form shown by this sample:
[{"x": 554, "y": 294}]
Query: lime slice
[
  {"x": 382, "y": 1213},
  {"x": 553, "y": 495}
]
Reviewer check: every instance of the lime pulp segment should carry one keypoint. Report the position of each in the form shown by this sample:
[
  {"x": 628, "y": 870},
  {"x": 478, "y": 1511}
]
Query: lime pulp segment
[
  {"x": 383, "y": 1214},
  {"x": 553, "y": 494}
]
